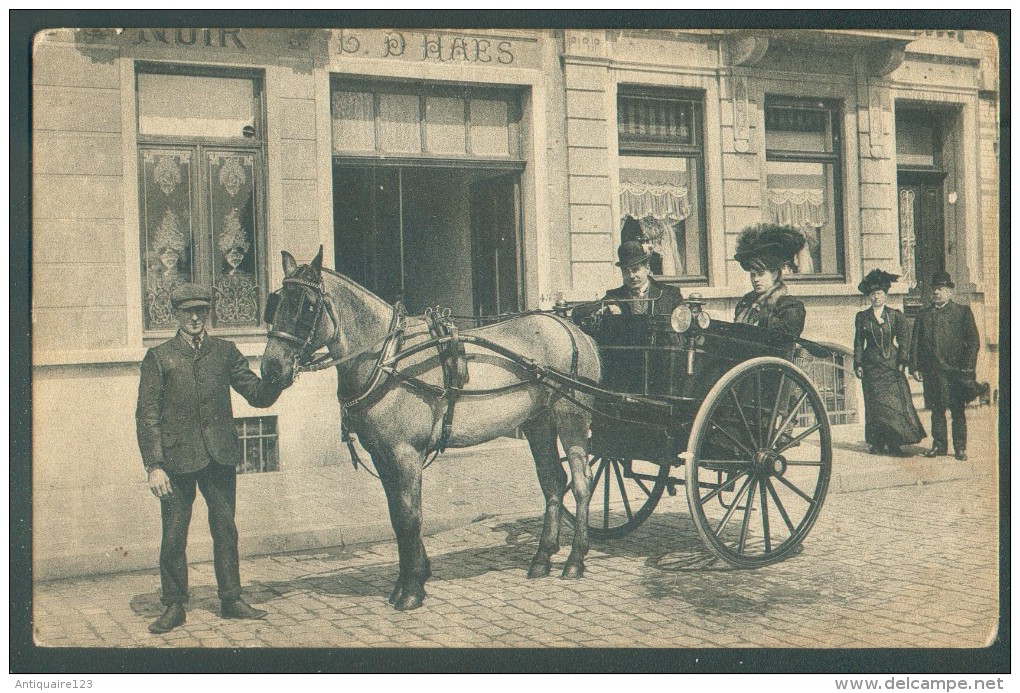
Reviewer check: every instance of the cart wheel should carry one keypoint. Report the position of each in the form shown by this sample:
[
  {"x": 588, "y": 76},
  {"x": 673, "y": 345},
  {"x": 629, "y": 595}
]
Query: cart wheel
[
  {"x": 758, "y": 462},
  {"x": 623, "y": 494}
]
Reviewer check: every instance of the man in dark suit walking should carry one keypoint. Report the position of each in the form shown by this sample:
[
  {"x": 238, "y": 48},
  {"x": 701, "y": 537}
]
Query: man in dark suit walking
[
  {"x": 943, "y": 354},
  {"x": 186, "y": 435}
]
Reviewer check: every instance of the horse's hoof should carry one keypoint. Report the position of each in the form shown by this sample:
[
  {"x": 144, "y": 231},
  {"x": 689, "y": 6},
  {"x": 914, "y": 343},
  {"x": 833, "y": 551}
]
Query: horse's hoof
[
  {"x": 573, "y": 571},
  {"x": 539, "y": 569},
  {"x": 395, "y": 595},
  {"x": 410, "y": 600}
]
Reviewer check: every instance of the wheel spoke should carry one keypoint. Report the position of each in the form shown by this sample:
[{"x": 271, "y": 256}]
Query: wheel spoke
[
  {"x": 788, "y": 420},
  {"x": 605, "y": 496},
  {"x": 641, "y": 484},
  {"x": 779, "y": 396},
  {"x": 623, "y": 492},
  {"x": 740, "y": 410},
  {"x": 779, "y": 505},
  {"x": 726, "y": 463},
  {"x": 796, "y": 490},
  {"x": 719, "y": 489},
  {"x": 731, "y": 437},
  {"x": 747, "y": 519},
  {"x": 795, "y": 463},
  {"x": 757, "y": 400},
  {"x": 793, "y": 441},
  {"x": 595, "y": 480},
  {"x": 764, "y": 514},
  {"x": 729, "y": 512}
]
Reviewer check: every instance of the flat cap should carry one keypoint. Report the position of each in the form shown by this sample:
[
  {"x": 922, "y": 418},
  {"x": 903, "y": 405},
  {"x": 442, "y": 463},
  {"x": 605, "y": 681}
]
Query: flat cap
[{"x": 190, "y": 296}]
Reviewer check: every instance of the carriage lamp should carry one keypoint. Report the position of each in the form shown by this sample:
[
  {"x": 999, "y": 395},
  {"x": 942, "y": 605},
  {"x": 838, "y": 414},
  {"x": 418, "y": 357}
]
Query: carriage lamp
[{"x": 680, "y": 318}]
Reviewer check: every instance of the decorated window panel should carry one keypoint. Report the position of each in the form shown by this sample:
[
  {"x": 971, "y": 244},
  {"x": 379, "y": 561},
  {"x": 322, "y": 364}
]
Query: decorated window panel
[
  {"x": 234, "y": 241},
  {"x": 201, "y": 167},
  {"x": 168, "y": 233}
]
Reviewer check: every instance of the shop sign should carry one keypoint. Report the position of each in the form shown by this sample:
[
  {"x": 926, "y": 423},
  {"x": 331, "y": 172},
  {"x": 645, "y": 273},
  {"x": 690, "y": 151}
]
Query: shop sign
[{"x": 439, "y": 47}]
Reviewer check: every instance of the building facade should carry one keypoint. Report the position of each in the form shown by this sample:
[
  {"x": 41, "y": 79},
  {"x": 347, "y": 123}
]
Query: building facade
[{"x": 484, "y": 170}]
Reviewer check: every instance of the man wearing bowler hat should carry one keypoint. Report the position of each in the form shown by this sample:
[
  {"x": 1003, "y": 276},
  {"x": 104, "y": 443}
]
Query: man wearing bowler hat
[
  {"x": 186, "y": 434},
  {"x": 640, "y": 293},
  {"x": 943, "y": 353}
]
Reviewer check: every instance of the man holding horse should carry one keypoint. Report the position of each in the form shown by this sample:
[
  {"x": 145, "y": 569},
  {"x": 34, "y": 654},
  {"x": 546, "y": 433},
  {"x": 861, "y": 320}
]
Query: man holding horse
[{"x": 186, "y": 435}]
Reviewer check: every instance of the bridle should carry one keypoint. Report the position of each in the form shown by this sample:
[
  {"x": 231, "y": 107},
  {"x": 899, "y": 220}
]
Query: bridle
[{"x": 307, "y": 321}]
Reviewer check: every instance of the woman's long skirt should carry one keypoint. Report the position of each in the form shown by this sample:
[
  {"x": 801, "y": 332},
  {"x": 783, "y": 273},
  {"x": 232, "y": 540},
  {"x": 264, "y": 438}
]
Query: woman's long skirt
[{"x": 889, "y": 414}]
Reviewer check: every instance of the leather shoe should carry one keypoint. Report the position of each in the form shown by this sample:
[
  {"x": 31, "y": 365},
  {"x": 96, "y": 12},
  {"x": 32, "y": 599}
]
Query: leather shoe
[
  {"x": 238, "y": 608},
  {"x": 173, "y": 616},
  {"x": 935, "y": 452},
  {"x": 875, "y": 449},
  {"x": 961, "y": 455}
]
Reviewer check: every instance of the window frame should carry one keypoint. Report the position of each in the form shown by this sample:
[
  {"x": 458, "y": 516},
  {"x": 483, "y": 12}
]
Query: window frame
[
  {"x": 695, "y": 152},
  {"x": 203, "y": 269},
  {"x": 836, "y": 158},
  {"x": 513, "y": 97}
]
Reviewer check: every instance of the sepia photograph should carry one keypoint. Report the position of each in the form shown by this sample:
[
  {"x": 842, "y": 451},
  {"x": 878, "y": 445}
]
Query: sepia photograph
[{"x": 367, "y": 333}]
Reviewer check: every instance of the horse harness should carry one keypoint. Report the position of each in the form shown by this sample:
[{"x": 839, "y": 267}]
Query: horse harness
[{"x": 444, "y": 337}]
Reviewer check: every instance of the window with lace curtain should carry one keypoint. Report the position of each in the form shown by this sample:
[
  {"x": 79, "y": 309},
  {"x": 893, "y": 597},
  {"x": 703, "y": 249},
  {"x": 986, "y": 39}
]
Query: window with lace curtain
[
  {"x": 201, "y": 170},
  {"x": 803, "y": 175},
  {"x": 662, "y": 178}
]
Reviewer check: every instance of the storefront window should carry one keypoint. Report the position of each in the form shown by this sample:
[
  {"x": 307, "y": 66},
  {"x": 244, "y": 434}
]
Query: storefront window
[
  {"x": 201, "y": 170},
  {"x": 803, "y": 179},
  {"x": 662, "y": 178}
]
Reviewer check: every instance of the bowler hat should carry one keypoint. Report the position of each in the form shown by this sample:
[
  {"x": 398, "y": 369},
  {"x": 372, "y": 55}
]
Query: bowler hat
[
  {"x": 631, "y": 253},
  {"x": 942, "y": 278},
  {"x": 190, "y": 296}
]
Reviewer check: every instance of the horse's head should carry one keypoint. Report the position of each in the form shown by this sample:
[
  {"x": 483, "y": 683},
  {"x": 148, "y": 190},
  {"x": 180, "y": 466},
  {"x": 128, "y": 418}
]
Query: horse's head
[{"x": 302, "y": 317}]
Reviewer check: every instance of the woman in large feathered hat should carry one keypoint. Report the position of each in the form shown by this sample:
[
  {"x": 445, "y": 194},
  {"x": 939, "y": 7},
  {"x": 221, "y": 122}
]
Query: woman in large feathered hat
[
  {"x": 881, "y": 354},
  {"x": 765, "y": 251}
]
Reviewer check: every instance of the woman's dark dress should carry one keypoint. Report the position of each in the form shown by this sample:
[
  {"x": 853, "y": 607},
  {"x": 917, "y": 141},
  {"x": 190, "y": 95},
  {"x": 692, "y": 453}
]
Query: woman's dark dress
[{"x": 879, "y": 349}]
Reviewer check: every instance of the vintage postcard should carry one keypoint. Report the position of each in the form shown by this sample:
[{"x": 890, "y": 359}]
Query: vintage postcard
[{"x": 681, "y": 338}]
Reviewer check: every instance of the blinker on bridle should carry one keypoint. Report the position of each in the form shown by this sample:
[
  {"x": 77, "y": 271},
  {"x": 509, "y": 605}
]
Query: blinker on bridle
[{"x": 307, "y": 319}]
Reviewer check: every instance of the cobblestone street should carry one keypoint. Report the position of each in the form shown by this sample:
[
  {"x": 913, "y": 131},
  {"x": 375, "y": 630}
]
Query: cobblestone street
[{"x": 912, "y": 566}]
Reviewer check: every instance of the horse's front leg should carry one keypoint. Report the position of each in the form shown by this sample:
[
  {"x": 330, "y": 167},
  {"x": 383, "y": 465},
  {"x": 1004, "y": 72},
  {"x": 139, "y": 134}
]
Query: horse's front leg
[
  {"x": 400, "y": 473},
  {"x": 541, "y": 434},
  {"x": 573, "y": 434}
]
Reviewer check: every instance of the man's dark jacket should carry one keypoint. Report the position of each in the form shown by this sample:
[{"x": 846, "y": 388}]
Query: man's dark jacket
[
  {"x": 944, "y": 350},
  {"x": 664, "y": 298},
  {"x": 184, "y": 417}
]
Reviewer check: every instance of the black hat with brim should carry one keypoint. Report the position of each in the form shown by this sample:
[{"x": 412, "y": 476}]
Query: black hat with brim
[
  {"x": 632, "y": 253},
  {"x": 942, "y": 278},
  {"x": 770, "y": 246},
  {"x": 877, "y": 279}
]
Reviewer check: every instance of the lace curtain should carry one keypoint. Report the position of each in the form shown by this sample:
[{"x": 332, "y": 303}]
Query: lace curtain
[
  {"x": 802, "y": 208},
  {"x": 659, "y": 207}
]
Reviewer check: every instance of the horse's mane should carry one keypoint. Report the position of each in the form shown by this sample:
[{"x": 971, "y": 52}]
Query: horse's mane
[{"x": 308, "y": 273}]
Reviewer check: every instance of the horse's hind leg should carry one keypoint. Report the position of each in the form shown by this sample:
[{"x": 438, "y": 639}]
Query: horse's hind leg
[
  {"x": 401, "y": 477},
  {"x": 573, "y": 431},
  {"x": 541, "y": 434}
]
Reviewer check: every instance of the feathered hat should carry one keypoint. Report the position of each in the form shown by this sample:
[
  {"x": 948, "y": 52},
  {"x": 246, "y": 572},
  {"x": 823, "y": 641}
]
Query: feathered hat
[
  {"x": 877, "y": 279},
  {"x": 631, "y": 230},
  {"x": 769, "y": 246}
]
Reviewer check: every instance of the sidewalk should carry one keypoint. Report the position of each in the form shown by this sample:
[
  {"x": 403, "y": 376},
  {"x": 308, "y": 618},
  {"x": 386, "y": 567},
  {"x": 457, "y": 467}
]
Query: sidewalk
[{"x": 335, "y": 506}]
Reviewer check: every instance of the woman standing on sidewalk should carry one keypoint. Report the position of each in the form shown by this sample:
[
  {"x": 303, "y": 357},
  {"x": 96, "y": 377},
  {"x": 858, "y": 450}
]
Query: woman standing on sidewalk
[{"x": 881, "y": 353}]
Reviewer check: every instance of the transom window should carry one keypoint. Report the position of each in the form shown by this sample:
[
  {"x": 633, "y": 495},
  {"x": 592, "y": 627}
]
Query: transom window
[
  {"x": 803, "y": 173},
  {"x": 662, "y": 177},
  {"x": 432, "y": 121},
  {"x": 201, "y": 167}
]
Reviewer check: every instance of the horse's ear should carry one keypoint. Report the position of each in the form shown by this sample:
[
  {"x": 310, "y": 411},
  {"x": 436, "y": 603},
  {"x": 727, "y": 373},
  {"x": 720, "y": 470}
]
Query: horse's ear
[
  {"x": 317, "y": 261},
  {"x": 289, "y": 263}
]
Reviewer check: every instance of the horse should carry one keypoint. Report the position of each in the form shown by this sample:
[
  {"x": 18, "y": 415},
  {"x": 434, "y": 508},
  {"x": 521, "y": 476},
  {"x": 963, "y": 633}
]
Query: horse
[{"x": 395, "y": 406}]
